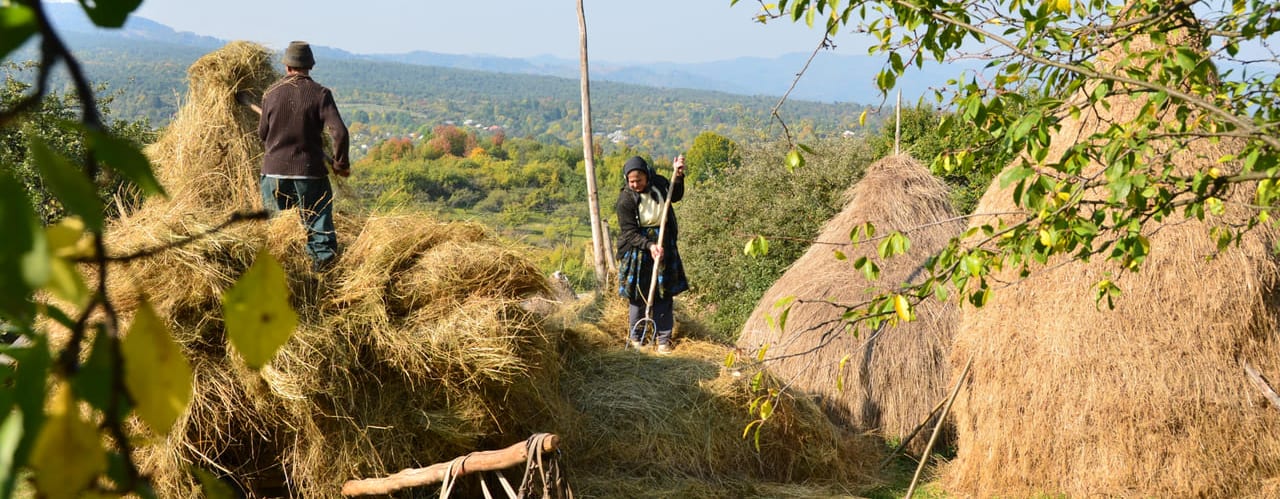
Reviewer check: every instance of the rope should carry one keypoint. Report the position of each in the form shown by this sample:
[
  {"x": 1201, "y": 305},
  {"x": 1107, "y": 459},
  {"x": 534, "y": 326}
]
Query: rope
[
  {"x": 446, "y": 486},
  {"x": 554, "y": 486}
]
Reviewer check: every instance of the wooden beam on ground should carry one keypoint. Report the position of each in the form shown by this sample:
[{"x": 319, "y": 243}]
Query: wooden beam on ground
[
  {"x": 492, "y": 460},
  {"x": 1256, "y": 378}
]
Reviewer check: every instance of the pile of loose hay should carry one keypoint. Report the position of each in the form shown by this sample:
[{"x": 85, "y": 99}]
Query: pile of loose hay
[
  {"x": 897, "y": 374},
  {"x": 654, "y": 426},
  {"x": 1149, "y": 399},
  {"x": 413, "y": 350}
]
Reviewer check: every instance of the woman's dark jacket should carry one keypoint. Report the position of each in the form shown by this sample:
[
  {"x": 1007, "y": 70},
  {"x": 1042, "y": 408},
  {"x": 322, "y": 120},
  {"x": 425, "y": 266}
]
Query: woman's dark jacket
[{"x": 628, "y": 207}]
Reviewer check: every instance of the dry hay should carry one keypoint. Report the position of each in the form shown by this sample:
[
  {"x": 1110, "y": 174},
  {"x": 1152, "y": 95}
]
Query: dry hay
[
  {"x": 896, "y": 374},
  {"x": 360, "y": 394},
  {"x": 210, "y": 152},
  {"x": 676, "y": 423},
  {"x": 1149, "y": 399},
  {"x": 413, "y": 350}
]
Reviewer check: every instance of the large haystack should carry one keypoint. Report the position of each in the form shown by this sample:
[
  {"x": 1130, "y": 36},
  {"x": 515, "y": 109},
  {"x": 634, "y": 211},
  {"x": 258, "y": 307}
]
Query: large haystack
[
  {"x": 895, "y": 375},
  {"x": 1148, "y": 399}
]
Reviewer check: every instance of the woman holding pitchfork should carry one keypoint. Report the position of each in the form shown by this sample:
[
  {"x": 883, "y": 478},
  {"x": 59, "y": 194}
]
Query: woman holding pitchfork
[{"x": 650, "y": 270}]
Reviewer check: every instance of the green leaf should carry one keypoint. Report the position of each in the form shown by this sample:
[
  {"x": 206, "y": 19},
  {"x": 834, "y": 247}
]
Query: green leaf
[
  {"x": 973, "y": 264},
  {"x": 794, "y": 160},
  {"x": 17, "y": 24},
  {"x": 259, "y": 319},
  {"x": 122, "y": 156},
  {"x": 756, "y": 247},
  {"x": 69, "y": 184},
  {"x": 1015, "y": 174},
  {"x": 10, "y": 440},
  {"x": 844, "y": 361},
  {"x": 95, "y": 380},
  {"x": 24, "y": 255},
  {"x": 109, "y": 13},
  {"x": 156, "y": 371},
  {"x": 68, "y": 454},
  {"x": 766, "y": 409},
  {"x": 213, "y": 487},
  {"x": 840, "y": 255},
  {"x": 31, "y": 385}
]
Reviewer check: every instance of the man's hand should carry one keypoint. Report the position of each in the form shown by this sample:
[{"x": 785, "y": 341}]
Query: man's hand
[{"x": 678, "y": 164}]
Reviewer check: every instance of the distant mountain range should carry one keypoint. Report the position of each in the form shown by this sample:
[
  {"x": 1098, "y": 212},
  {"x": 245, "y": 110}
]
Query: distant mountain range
[{"x": 830, "y": 77}]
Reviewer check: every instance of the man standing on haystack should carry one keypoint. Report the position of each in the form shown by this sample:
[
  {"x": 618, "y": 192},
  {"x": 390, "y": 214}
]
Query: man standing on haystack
[{"x": 295, "y": 112}]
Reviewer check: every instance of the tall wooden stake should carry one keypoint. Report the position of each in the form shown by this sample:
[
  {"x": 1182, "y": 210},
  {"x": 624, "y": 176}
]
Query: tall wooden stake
[
  {"x": 897, "y": 127},
  {"x": 599, "y": 252}
]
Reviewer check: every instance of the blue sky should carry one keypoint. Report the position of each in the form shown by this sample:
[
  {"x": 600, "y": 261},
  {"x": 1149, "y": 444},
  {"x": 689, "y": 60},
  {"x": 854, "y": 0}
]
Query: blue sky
[{"x": 618, "y": 30}]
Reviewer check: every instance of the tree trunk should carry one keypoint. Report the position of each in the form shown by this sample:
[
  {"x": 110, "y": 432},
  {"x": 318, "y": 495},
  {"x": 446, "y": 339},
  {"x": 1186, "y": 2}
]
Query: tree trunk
[{"x": 598, "y": 250}]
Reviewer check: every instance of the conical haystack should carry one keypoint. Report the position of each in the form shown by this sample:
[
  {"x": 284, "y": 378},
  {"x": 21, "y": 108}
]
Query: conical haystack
[
  {"x": 895, "y": 375},
  {"x": 1148, "y": 399}
]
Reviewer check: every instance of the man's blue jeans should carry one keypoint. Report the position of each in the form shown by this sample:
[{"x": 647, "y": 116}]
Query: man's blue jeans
[{"x": 314, "y": 199}]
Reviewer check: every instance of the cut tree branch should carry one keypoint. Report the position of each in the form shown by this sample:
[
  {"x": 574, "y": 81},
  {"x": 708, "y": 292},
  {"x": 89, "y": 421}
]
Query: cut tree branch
[{"x": 492, "y": 460}]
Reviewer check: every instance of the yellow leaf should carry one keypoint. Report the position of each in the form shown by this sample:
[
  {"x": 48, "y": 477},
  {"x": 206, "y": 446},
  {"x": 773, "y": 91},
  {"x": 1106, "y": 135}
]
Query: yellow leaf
[
  {"x": 68, "y": 454},
  {"x": 862, "y": 118},
  {"x": 66, "y": 283},
  {"x": 259, "y": 319},
  {"x": 1215, "y": 172},
  {"x": 155, "y": 371},
  {"x": 902, "y": 307},
  {"x": 1063, "y": 6},
  {"x": 64, "y": 236},
  {"x": 1046, "y": 237}
]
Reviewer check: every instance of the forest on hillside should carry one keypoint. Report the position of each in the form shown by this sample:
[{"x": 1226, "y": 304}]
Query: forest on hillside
[{"x": 385, "y": 100}]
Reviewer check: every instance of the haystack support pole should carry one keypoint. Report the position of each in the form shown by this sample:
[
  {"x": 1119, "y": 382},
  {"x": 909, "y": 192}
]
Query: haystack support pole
[
  {"x": 598, "y": 251},
  {"x": 491, "y": 460}
]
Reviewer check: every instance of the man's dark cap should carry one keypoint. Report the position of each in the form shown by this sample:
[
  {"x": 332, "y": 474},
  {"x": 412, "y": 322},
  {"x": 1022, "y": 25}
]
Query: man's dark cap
[{"x": 298, "y": 55}]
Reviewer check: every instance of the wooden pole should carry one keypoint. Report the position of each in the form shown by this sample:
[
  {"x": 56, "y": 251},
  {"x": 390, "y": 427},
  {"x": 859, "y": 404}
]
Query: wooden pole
[
  {"x": 897, "y": 126},
  {"x": 1261, "y": 383},
  {"x": 593, "y": 201},
  {"x": 492, "y": 460},
  {"x": 924, "y": 458}
]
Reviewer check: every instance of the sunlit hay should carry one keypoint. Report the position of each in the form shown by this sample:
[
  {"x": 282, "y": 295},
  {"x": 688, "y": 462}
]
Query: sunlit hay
[
  {"x": 454, "y": 272},
  {"x": 683, "y": 416},
  {"x": 185, "y": 282},
  {"x": 385, "y": 247},
  {"x": 667, "y": 487},
  {"x": 894, "y": 375},
  {"x": 224, "y": 431},
  {"x": 208, "y": 158},
  {"x": 1149, "y": 399}
]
